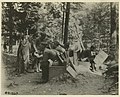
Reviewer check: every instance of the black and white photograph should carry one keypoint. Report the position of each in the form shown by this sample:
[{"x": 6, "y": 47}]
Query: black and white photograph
[{"x": 59, "y": 48}]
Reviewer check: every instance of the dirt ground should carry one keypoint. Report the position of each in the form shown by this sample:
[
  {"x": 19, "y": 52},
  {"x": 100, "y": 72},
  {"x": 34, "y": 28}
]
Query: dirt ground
[{"x": 87, "y": 83}]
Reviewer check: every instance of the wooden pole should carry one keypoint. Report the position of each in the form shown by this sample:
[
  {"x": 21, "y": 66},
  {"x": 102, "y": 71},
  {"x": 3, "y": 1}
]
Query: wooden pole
[
  {"x": 66, "y": 23},
  {"x": 112, "y": 16},
  {"x": 112, "y": 29},
  {"x": 63, "y": 19},
  {"x": 11, "y": 25}
]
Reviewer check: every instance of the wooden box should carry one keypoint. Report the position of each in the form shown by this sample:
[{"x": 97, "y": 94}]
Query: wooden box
[{"x": 55, "y": 71}]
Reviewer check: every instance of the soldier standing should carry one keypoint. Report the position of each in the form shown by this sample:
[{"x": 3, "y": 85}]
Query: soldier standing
[
  {"x": 23, "y": 55},
  {"x": 38, "y": 51},
  {"x": 91, "y": 58}
]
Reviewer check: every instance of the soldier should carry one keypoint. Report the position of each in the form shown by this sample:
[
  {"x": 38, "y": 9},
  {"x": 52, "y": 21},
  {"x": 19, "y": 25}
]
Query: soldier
[
  {"x": 23, "y": 55},
  {"x": 49, "y": 54},
  {"x": 89, "y": 55},
  {"x": 91, "y": 58},
  {"x": 38, "y": 51}
]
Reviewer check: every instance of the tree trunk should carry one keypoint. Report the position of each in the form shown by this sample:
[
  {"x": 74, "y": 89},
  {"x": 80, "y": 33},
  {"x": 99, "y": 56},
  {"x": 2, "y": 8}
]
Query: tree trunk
[
  {"x": 10, "y": 26},
  {"x": 112, "y": 29},
  {"x": 63, "y": 20},
  {"x": 112, "y": 16},
  {"x": 66, "y": 23}
]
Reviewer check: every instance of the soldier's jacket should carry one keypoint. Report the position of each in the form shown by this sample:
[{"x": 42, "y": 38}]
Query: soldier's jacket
[
  {"x": 60, "y": 49},
  {"x": 37, "y": 44},
  {"x": 23, "y": 51},
  {"x": 56, "y": 55},
  {"x": 87, "y": 54},
  {"x": 50, "y": 54},
  {"x": 23, "y": 54}
]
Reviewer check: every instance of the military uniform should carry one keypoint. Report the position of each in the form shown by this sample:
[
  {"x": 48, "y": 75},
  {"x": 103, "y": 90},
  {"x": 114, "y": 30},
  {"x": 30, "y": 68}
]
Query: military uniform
[
  {"x": 48, "y": 54},
  {"x": 23, "y": 55},
  {"x": 38, "y": 49},
  {"x": 91, "y": 57}
]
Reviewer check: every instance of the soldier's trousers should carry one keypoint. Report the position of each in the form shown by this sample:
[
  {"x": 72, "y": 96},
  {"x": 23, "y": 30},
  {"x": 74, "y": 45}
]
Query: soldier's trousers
[
  {"x": 45, "y": 70},
  {"x": 93, "y": 67}
]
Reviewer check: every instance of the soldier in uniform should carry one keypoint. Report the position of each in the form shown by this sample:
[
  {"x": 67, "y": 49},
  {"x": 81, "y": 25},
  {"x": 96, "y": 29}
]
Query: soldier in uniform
[
  {"x": 38, "y": 50},
  {"x": 49, "y": 54},
  {"x": 89, "y": 55},
  {"x": 91, "y": 58},
  {"x": 23, "y": 55}
]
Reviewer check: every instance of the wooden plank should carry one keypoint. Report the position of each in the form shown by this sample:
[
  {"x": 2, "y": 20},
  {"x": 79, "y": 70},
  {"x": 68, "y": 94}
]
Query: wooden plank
[
  {"x": 84, "y": 63},
  {"x": 71, "y": 63},
  {"x": 71, "y": 71},
  {"x": 101, "y": 57},
  {"x": 56, "y": 71},
  {"x": 83, "y": 66},
  {"x": 75, "y": 58}
]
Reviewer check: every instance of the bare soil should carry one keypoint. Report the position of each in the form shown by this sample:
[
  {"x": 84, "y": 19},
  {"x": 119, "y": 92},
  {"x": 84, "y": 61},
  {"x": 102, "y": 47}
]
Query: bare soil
[{"x": 87, "y": 83}]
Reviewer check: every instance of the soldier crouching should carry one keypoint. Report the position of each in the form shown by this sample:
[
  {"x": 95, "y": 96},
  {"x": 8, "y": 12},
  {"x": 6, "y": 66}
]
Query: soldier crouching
[{"x": 49, "y": 54}]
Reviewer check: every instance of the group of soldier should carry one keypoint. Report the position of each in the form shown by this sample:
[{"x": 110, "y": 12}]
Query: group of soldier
[{"x": 40, "y": 52}]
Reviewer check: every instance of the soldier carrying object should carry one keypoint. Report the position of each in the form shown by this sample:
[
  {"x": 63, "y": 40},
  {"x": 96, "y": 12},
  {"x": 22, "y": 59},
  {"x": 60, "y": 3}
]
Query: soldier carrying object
[
  {"x": 38, "y": 52},
  {"x": 49, "y": 54}
]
